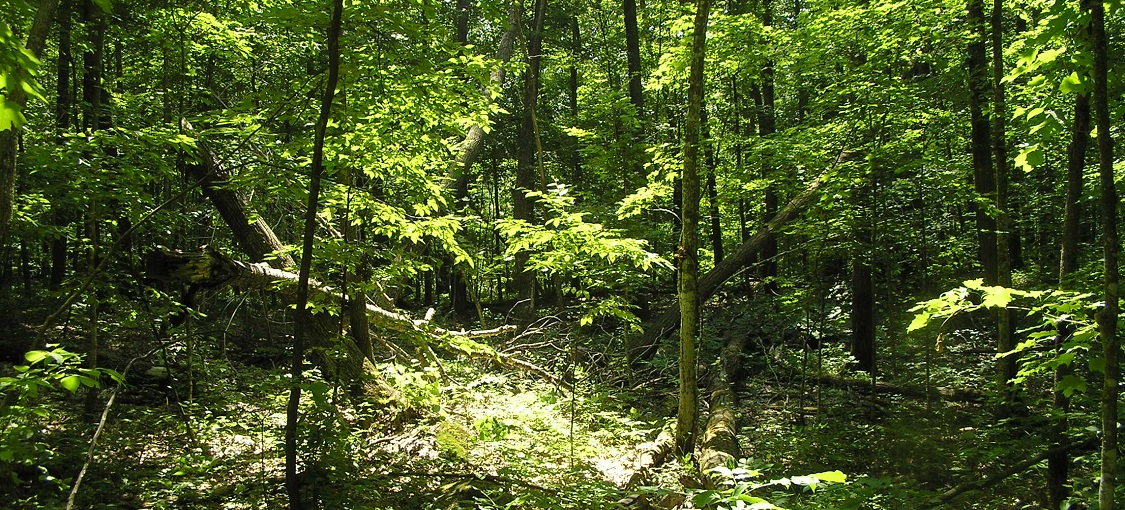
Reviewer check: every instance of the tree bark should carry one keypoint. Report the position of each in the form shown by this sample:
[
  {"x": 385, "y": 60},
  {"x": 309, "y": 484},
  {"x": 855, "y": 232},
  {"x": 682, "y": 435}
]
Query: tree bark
[
  {"x": 766, "y": 128},
  {"x": 523, "y": 206},
  {"x": 687, "y": 415},
  {"x": 983, "y": 176},
  {"x": 1005, "y": 341},
  {"x": 304, "y": 323},
  {"x": 1107, "y": 316},
  {"x": 712, "y": 192},
  {"x": 1058, "y": 462}
]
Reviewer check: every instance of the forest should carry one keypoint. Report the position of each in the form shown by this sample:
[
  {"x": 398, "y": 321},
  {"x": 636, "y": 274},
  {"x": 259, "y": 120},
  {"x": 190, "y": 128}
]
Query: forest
[{"x": 534, "y": 254}]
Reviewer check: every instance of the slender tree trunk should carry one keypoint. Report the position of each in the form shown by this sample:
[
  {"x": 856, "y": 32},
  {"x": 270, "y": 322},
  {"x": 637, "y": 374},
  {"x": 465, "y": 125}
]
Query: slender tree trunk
[
  {"x": 62, "y": 125},
  {"x": 9, "y": 138},
  {"x": 304, "y": 318},
  {"x": 523, "y": 207},
  {"x": 576, "y": 49},
  {"x": 712, "y": 192},
  {"x": 1107, "y": 316},
  {"x": 766, "y": 129},
  {"x": 1006, "y": 369},
  {"x": 983, "y": 176},
  {"x": 636, "y": 91},
  {"x": 1058, "y": 462},
  {"x": 686, "y": 426}
]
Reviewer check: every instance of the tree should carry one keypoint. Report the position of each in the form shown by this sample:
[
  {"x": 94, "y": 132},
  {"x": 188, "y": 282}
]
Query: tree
[
  {"x": 529, "y": 166},
  {"x": 303, "y": 314},
  {"x": 9, "y": 138},
  {"x": 983, "y": 176},
  {"x": 688, "y": 252},
  {"x": 1107, "y": 316}
]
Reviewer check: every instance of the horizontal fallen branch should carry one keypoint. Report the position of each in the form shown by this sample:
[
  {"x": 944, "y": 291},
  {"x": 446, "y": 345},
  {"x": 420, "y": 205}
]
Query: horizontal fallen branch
[{"x": 211, "y": 269}]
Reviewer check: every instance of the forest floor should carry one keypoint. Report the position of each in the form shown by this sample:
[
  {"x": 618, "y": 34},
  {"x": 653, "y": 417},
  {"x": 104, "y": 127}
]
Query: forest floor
[{"x": 482, "y": 438}]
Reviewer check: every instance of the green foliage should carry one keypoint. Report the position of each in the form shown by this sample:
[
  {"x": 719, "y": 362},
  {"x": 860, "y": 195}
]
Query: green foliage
[
  {"x": 23, "y": 414},
  {"x": 589, "y": 257},
  {"x": 738, "y": 484},
  {"x": 1050, "y": 312}
]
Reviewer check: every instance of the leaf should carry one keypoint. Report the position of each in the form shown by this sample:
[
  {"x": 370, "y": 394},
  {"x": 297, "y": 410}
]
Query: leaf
[
  {"x": 10, "y": 115},
  {"x": 832, "y": 476},
  {"x": 106, "y": 5},
  {"x": 71, "y": 382},
  {"x": 1072, "y": 84},
  {"x": 1030, "y": 157},
  {"x": 919, "y": 322},
  {"x": 34, "y": 357},
  {"x": 997, "y": 297},
  {"x": 1071, "y": 383}
]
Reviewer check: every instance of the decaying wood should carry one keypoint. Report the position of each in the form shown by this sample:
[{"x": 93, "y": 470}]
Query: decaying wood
[
  {"x": 652, "y": 454},
  {"x": 720, "y": 436},
  {"x": 211, "y": 269}
]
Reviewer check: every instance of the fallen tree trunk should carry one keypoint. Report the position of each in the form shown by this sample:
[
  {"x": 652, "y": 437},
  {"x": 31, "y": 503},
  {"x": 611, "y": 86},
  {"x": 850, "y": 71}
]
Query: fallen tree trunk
[
  {"x": 211, "y": 269},
  {"x": 650, "y": 456},
  {"x": 720, "y": 437},
  {"x": 939, "y": 392},
  {"x": 667, "y": 321}
]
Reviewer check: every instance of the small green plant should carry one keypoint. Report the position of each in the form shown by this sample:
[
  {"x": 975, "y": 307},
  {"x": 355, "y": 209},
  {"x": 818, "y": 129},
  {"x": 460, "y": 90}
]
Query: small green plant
[
  {"x": 23, "y": 449},
  {"x": 738, "y": 488}
]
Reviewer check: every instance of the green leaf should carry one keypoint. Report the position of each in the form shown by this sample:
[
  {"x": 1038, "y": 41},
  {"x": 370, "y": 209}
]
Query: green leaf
[
  {"x": 1072, "y": 84},
  {"x": 832, "y": 476},
  {"x": 106, "y": 5},
  {"x": 1030, "y": 157},
  {"x": 10, "y": 115},
  {"x": 71, "y": 382},
  {"x": 34, "y": 357},
  {"x": 919, "y": 322},
  {"x": 1071, "y": 383}
]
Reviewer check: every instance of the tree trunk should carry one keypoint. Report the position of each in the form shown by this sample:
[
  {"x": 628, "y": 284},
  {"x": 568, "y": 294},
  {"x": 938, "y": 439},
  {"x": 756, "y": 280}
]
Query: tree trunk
[
  {"x": 712, "y": 192},
  {"x": 304, "y": 322},
  {"x": 62, "y": 125},
  {"x": 766, "y": 129},
  {"x": 666, "y": 321},
  {"x": 1058, "y": 463},
  {"x": 1107, "y": 316},
  {"x": 686, "y": 417},
  {"x": 523, "y": 207},
  {"x": 1005, "y": 341},
  {"x": 863, "y": 286},
  {"x": 983, "y": 176}
]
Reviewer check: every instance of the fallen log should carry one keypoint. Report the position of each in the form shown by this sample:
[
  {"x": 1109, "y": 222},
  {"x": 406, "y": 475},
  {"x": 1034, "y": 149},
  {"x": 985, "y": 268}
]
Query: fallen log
[
  {"x": 938, "y": 392},
  {"x": 667, "y": 321},
  {"x": 212, "y": 269},
  {"x": 720, "y": 437}
]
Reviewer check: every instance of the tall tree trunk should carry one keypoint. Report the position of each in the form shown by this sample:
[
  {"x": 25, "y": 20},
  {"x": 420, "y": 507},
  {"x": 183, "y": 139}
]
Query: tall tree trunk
[
  {"x": 636, "y": 90},
  {"x": 523, "y": 207},
  {"x": 1006, "y": 369},
  {"x": 304, "y": 318},
  {"x": 9, "y": 138},
  {"x": 712, "y": 192},
  {"x": 576, "y": 54},
  {"x": 1107, "y": 316},
  {"x": 983, "y": 176},
  {"x": 62, "y": 125},
  {"x": 766, "y": 128},
  {"x": 688, "y": 255},
  {"x": 863, "y": 285},
  {"x": 1058, "y": 462}
]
